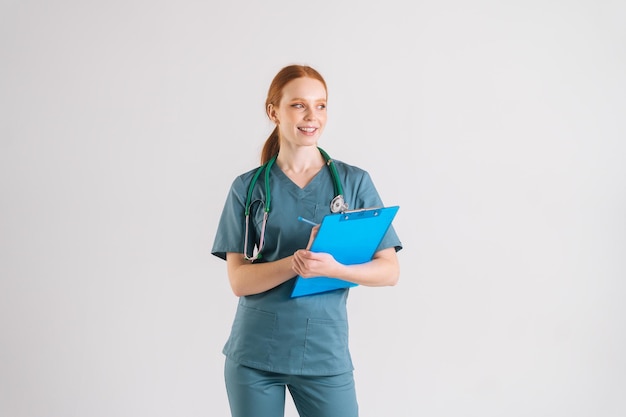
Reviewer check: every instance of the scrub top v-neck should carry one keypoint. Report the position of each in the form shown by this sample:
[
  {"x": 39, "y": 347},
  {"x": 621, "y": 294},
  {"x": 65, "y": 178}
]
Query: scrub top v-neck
[{"x": 271, "y": 330}]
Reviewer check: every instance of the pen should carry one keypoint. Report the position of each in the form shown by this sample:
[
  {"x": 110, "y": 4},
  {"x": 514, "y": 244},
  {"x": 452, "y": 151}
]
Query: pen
[{"x": 302, "y": 219}]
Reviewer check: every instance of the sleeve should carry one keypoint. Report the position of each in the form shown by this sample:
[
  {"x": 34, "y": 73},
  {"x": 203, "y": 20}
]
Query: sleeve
[
  {"x": 230, "y": 230},
  {"x": 368, "y": 197}
]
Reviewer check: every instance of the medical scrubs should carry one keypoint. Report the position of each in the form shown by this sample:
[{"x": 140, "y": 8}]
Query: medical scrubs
[{"x": 272, "y": 332}]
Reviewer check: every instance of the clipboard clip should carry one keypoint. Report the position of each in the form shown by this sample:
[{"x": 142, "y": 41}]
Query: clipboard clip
[{"x": 363, "y": 213}]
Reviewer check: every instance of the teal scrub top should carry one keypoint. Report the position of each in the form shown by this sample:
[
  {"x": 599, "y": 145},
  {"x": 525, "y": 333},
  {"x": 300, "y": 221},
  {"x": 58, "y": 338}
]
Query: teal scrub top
[{"x": 272, "y": 331}]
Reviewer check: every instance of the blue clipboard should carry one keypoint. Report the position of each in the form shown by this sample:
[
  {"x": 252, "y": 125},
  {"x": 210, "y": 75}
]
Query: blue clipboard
[{"x": 352, "y": 238}]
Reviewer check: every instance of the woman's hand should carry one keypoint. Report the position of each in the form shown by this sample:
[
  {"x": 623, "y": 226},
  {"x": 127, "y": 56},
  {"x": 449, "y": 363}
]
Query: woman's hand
[
  {"x": 314, "y": 231},
  {"x": 382, "y": 270},
  {"x": 309, "y": 264}
]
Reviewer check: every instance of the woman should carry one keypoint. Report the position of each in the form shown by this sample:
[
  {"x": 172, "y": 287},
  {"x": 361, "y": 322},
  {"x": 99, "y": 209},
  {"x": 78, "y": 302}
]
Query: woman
[{"x": 278, "y": 341}]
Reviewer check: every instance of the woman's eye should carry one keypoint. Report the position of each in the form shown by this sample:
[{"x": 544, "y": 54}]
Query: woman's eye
[
  {"x": 297, "y": 106},
  {"x": 321, "y": 106}
]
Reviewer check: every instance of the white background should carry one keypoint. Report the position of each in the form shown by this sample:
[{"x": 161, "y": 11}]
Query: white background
[{"x": 497, "y": 126}]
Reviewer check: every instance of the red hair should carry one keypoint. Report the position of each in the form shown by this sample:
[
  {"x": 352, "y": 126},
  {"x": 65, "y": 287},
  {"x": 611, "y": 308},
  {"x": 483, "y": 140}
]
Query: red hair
[{"x": 275, "y": 94}]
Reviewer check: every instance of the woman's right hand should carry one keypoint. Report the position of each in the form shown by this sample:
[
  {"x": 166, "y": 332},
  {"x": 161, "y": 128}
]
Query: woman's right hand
[{"x": 314, "y": 231}]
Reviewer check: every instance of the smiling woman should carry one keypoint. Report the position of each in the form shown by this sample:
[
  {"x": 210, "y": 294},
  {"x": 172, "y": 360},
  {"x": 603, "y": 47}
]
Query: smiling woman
[
  {"x": 290, "y": 88},
  {"x": 278, "y": 341},
  {"x": 300, "y": 117}
]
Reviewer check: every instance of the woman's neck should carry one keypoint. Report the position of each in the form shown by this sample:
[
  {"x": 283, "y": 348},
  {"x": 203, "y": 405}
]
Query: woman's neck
[
  {"x": 300, "y": 160},
  {"x": 300, "y": 165}
]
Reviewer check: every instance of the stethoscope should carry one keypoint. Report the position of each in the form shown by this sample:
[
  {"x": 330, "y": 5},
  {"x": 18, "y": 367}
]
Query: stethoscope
[{"x": 337, "y": 204}]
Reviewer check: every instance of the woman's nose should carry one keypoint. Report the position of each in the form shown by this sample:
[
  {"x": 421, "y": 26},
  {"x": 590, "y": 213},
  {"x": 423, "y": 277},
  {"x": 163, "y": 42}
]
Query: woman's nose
[{"x": 310, "y": 114}]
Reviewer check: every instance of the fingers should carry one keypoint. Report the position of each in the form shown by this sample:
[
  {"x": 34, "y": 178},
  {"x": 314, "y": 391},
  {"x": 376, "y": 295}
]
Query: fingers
[
  {"x": 296, "y": 263},
  {"x": 301, "y": 264},
  {"x": 314, "y": 231},
  {"x": 312, "y": 264}
]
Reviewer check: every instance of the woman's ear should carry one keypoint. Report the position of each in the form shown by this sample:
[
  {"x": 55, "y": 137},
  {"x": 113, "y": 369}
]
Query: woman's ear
[{"x": 271, "y": 113}]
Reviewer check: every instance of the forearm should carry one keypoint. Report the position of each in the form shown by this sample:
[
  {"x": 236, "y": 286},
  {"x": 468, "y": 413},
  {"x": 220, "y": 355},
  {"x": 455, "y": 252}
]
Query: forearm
[
  {"x": 247, "y": 278},
  {"x": 378, "y": 272},
  {"x": 382, "y": 270}
]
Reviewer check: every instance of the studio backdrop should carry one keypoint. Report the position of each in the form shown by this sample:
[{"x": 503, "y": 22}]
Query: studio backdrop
[{"x": 497, "y": 127}]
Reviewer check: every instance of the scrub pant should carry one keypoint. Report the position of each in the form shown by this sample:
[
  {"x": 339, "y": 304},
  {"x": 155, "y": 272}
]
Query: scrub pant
[{"x": 256, "y": 393}]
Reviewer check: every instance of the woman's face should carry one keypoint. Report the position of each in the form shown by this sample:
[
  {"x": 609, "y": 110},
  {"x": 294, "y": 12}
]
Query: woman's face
[{"x": 301, "y": 114}]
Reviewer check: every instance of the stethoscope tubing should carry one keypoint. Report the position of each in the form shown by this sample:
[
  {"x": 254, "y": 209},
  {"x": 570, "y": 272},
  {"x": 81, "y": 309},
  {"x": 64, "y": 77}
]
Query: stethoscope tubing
[{"x": 337, "y": 204}]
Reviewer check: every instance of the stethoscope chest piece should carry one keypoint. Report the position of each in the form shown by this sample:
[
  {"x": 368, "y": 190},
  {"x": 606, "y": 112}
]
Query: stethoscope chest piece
[{"x": 338, "y": 204}]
